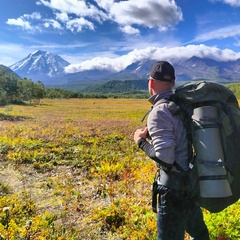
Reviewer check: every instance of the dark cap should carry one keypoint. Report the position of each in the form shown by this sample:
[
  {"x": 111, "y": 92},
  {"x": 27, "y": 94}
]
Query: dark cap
[{"x": 163, "y": 71}]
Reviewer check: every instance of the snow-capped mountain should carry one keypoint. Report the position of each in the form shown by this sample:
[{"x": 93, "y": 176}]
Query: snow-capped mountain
[{"x": 40, "y": 65}]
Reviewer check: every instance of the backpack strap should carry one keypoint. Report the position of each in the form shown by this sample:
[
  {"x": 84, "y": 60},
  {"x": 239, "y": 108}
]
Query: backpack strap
[
  {"x": 176, "y": 109},
  {"x": 165, "y": 100},
  {"x": 145, "y": 115}
]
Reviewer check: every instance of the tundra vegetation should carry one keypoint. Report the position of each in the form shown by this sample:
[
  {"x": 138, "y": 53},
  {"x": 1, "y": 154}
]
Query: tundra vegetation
[{"x": 69, "y": 170}]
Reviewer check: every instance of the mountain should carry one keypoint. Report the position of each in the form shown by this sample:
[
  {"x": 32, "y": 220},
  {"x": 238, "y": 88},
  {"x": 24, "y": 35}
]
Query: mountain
[
  {"x": 87, "y": 75},
  {"x": 49, "y": 69},
  {"x": 137, "y": 70},
  {"x": 194, "y": 68},
  {"x": 41, "y": 65},
  {"x": 204, "y": 68}
]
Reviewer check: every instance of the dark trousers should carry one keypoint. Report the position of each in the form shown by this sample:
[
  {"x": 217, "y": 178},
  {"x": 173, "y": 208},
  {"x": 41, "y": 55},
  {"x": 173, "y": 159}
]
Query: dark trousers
[{"x": 177, "y": 213}]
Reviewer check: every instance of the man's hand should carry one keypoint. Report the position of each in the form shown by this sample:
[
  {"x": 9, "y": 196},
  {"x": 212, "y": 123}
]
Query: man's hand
[{"x": 140, "y": 133}]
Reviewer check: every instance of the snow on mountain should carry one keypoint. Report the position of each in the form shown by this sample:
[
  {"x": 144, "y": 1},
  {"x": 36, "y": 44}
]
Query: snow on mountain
[{"x": 41, "y": 65}]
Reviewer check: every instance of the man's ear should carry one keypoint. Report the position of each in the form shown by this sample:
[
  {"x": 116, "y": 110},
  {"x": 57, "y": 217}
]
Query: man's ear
[
  {"x": 151, "y": 83},
  {"x": 173, "y": 83}
]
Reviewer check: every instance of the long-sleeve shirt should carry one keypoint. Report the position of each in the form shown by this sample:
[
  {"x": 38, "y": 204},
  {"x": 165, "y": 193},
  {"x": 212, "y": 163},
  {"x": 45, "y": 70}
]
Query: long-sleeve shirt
[{"x": 168, "y": 135}]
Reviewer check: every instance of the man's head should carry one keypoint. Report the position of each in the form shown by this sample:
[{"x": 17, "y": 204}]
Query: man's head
[
  {"x": 162, "y": 77},
  {"x": 163, "y": 71}
]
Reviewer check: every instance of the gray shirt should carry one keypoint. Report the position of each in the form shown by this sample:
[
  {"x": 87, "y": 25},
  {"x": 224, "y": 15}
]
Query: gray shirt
[{"x": 167, "y": 132}]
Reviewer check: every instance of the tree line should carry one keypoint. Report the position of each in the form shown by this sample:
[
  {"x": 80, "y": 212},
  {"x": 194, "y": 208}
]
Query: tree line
[{"x": 16, "y": 90}]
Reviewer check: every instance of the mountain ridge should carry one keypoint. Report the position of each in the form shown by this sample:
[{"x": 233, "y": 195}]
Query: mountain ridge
[{"x": 49, "y": 69}]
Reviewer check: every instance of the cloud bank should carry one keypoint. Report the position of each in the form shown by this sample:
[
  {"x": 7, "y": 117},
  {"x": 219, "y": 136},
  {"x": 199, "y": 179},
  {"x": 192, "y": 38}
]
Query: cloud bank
[{"x": 173, "y": 54}]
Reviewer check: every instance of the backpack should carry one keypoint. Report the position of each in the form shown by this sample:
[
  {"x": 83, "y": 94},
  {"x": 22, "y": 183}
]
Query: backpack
[{"x": 211, "y": 115}]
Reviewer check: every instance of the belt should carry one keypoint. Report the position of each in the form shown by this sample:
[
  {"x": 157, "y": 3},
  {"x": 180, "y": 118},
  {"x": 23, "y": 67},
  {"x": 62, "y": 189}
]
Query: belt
[{"x": 171, "y": 179}]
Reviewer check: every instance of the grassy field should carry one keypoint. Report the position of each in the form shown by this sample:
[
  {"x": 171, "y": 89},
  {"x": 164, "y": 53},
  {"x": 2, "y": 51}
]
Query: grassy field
[{"x": 69, "y": 169}]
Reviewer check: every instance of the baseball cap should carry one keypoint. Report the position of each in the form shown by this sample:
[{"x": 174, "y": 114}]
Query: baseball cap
[{"x": 163, "y": 71}]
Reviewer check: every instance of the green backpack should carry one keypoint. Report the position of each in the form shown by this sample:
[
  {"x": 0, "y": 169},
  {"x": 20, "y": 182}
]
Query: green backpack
[{"x": 211, "y": 114}]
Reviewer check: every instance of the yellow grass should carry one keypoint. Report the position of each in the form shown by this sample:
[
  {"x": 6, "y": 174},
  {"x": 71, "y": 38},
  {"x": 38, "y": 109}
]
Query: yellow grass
[
  {"x": 74, "y": 158},
  {"x": 72, "y": 168}
]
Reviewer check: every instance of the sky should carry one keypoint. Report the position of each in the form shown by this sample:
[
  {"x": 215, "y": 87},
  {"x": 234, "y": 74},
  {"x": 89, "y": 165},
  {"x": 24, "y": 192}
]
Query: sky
[{"x": 111, "y": 34}]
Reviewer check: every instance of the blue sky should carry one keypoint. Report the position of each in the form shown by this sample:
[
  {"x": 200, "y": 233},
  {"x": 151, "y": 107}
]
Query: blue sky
[{"x": 114, "y": 33}]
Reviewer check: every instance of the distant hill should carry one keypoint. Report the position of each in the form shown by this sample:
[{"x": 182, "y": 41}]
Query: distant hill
[
  {"x": 8, "y": 70},
  {"x": 138, "y": 87},
  {"x": 113, "y": 87}
]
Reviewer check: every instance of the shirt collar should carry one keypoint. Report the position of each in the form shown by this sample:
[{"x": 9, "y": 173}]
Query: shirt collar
[{"x": 161, "y": 95}]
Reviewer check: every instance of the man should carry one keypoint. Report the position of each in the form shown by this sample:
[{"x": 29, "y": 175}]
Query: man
[{"x": 164, "y": 140}]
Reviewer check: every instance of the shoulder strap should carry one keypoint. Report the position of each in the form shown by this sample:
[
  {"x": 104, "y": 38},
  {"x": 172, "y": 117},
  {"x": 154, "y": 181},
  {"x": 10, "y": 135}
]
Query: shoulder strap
[
  {"x": 165, "y": 100},
  {"x": 145, "y": 115},
  {"x": 175, "y": 109}
]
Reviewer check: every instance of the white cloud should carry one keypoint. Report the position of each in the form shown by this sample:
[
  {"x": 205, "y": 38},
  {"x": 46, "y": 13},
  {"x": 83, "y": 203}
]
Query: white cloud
[
  {"x": 12, "y": 53},
  {"x": 78, "y": 7},
  {"x": 20, "y": 23},
  {"x": 164, "y": 14},
  {"x": 52, "y": 23},
  {"x": 24, "y": 21},
  {"x": 78, "y": 24},
  {"x": 95, "y": 63},
  {"x": 105, "y": 4},
  {"x": 129, "y": 30},
  {"x": 173, "y": 54},
  {"x": 225, "y": 32},
  {"x": 62, "y": 16},
  {"x": 149, "y": 13},
  {"x": 34, "y": 15},
  {"x": 83, "y": 15},
  {"x": 235, "y": 3},
  {"x": 74, "y": 24}
]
